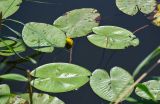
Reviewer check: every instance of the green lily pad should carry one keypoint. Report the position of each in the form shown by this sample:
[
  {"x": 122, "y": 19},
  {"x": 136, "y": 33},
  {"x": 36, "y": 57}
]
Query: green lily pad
[
  {"x": 43, "y": 37},
  {"x": 59, "y": 77},
  {"x": 4, "y": 91},
  {"x": 16, "y": 77},
  {"x": 154, "y": 88},
  {"x": 110, "y": 87},
  {"x": 78, "y": 22},
  {"x": 9, "y": 7},
  {"x": 39, "y": 98},
  {"x": 131, "y": 7},
  {"x": 16, "y": 45},
  {"x": 112, "y": 37}
]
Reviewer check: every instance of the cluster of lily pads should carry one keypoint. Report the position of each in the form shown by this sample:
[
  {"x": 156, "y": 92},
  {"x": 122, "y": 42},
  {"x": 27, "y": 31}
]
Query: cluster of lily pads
[{"x": 64, "y": 77}]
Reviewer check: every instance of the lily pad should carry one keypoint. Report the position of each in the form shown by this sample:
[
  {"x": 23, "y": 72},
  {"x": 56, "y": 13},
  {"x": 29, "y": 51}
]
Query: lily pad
[
  {"x": 59, "y": 77},
  {"x": 154, "y": 88},
  {"x": 4, "y": 91},
  {"x": 9, "y": 7},
  {"x": 112, "y": 37},
  {"x": 39, "y": 98},
  {"x": 131, "y": 7},
  {"x": 110, "y": 87},
  {"x": 43, "y": 37},
  {"x": 78, "y": 22}
]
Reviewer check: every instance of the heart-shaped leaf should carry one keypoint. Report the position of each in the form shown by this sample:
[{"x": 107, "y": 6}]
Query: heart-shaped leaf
[
  {"x": 4, "y": 90},
  {"x": 59, "y": 77},
  {"x": 9, "y": 7},
  {"x": 154, "y": 88},
  {"x": 110, "y": 87},
  {"x": 17, "y": 46},
  {"x": 43, "y": 37},
  {"x": 112, "y": 37},
  {"x": 131, "y": 7},
  {"x": 15, "y": 77},
  {"x": 78, "y": 22},
  {"x": 39, "y": 98}
]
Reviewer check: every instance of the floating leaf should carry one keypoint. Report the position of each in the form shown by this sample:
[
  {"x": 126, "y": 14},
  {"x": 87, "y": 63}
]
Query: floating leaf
[
  {"x": 110, "y": 87},
  {"x": 78, "y": 22},
  {"x": 156, "y": 16},
  {"x": 15, "y": 77},
  {"x": 112, "y": 37},
  {"x": 39, "y": 98},
  {"x": 43, "y": 37},
  {"x": 154, "y": 88},
  {"x": 9, "y": 7},
  {"x": 17, "y": 46},
  {"x": 153, "y": 55},
  {"x": 131, "y": 7},
  {"x": 4, "y": 90},
  {"x": 59, "y": 77},
  {"x": 16, "y": 99},
  {"x": 145, "y": 89}
]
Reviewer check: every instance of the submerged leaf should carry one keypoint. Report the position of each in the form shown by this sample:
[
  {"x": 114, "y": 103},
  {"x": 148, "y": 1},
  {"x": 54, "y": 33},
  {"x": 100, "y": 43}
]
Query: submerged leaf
[
  {"x": 59, "y": 77},
  {"x": 43, "y": 37},
  {"x": 9, "y": 7},
  {"x": 10, "y": 47},
  {"x": 16, "y": 77},
  {"x": 78, "y": 22},
  {"x": 16, "y": 99},
  {"x": 110, "y": 87},
  {"x": 112, "y": 37},
  {"x": 39, "y": 98},
  {"x": 4, "y": 90},
  {"x": 154, "y": 88},
  {"x": 131, "y": 7}
]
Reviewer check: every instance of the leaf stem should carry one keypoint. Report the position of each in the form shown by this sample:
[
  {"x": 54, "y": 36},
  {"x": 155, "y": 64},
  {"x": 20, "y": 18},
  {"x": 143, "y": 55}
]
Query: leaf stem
[
  {"x": 136, "y": 82},
  {"x": 141, "y": 28},
  {"x": 30, "y": 90},
  {"x": 70, "y": 55}
]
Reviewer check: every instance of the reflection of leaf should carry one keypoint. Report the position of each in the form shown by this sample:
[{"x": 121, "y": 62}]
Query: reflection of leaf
[
  {"x": 131, "y": 7},
  {"x": 43, "y": 37},
  {"x": 112, "y": 37},
  {"x": 59, "y": 77},
  {"x": 145, "y": 89},
  {"x": 39, "y": 98},
  {"x": 154, "y": 88},
  {"x": 15, "y": 77},
  {"x": 4, "y": 90},
  {"x": 78, "y": 22},
  {"x": 147, "y": 60},
  {"x": 110, "y": 87},
  {"x": 9, "y": 7}
]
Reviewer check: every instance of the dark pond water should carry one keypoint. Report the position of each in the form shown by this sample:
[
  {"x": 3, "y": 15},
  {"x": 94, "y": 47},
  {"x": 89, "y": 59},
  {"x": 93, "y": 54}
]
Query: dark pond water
[{"x": 84, "y": 53}]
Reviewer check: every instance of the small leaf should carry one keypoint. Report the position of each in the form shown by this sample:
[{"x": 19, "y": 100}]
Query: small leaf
[
  {"x": 9, "y": 7},
  {"x": 39, "y": 98},
  {"x": 131, "y": 7},
  {"x": 110, "y": 87},
  {"x": 78, "y": 22},
  {"x": 4, "y": 90},
  {"x": 15, "y": 77},
  {"x": 59, "y": 77},
  {"x": 112, "y": 37},
  {"x": 43, "y": 37},
  {"x": 153, "y": 55},
  {"x": 153, "y": 88}
]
